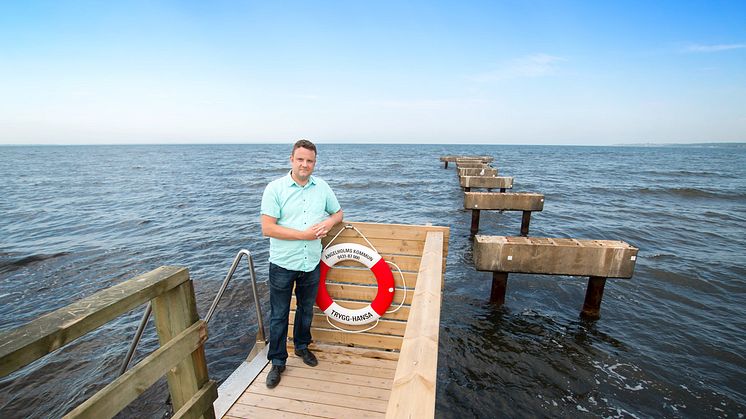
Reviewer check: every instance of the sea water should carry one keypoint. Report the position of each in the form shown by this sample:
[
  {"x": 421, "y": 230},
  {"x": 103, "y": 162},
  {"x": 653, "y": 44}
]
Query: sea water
[{"x": 670, "y": 342}]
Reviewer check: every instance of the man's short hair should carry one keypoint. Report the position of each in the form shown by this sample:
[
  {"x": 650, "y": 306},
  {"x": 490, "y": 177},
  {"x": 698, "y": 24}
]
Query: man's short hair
[{"x": 304, "y": 144}]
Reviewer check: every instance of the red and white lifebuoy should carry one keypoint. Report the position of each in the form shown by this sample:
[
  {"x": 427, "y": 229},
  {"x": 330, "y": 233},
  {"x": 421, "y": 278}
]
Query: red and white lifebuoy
[{"x": 368, "y": 257}]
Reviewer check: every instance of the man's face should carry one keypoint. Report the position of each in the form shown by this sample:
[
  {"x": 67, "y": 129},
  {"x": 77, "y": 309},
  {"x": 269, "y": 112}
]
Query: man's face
[{"x": 302, "y": 161}]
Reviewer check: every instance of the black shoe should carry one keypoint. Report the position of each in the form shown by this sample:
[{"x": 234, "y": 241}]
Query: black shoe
[
  {"x": 308, "y": 357},
  {"x": 273, "y": 378}
]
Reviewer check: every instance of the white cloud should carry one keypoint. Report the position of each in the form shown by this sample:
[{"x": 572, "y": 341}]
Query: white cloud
[
  {"x": 713, "y": 48},
  {"x": 530, "y": 66}
]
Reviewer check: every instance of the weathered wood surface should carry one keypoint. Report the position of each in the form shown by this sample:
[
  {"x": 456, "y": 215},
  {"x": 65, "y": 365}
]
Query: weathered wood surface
[
  {"x": 28, "y": 343},
  {"x": 122, "y": 391},
  {"x": 199, "y": 403},
  {"x": 452, "y": 158},
  {"x": 401, "y": 314},
  {"x": 364, "y": 276},
  {"x": 483, "y": 171},
  {"x": 508, "y": 201},
  {"x": 554, "y": 256},
  {"x": 413, "y": 391},
  {"x": 471, "y": 165},
  {"x": 385, "y": 231},
  {"x": 490, "y": 182},
  {"x": 175, "y": 311},
  {"x": 365, "y": 340}
]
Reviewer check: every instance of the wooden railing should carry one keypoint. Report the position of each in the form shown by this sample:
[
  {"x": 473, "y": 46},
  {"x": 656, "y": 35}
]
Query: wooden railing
[
  {"x": 413, "y": 391},
  {"x": 180, "y": 331}
]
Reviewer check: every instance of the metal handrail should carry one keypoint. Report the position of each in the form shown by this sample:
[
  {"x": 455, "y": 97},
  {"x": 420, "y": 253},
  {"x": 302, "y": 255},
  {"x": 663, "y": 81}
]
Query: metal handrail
[{"x": 260, "y": 336}]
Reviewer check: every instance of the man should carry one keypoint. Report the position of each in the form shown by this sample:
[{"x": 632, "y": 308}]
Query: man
[{"x": 297, "y": 211}]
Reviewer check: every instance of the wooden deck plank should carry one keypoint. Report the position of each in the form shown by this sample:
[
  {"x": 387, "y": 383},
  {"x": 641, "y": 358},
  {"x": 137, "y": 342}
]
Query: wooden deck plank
[
  {"x": 350, "y": 390},
  {"x": 395, "y": 246},
  {"x": 302, "y": 407},
  {"x": 368, "y": 340},
  {"x": 356, "y": 352},
  {"x": 362, "y": 275},
  {"x": 365, "y": 293},
  {"x": 246, "y": 411},
  {"x": 401, "y": 314},
  {"x": 349, "y": 369},
  {"x": 406, "y": 263},
  {"x": 336, "y": 377},
  {"x": 356, "y": 360},
  {"x": 388, "y": 327},
  {"x": 325, "y": 396},
  {"x": 384, "y": 231}
]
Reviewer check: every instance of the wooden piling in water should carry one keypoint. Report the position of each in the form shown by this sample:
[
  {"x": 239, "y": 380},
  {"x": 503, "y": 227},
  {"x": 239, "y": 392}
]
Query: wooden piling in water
[
  {"x": 474, "y": 222},
  {"x": 593, "y": 296},
  {"x": 499, "y": 287}
]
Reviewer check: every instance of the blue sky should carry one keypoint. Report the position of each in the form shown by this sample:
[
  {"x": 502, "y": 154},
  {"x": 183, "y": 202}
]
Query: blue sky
[{"x": 519, "y": 72}]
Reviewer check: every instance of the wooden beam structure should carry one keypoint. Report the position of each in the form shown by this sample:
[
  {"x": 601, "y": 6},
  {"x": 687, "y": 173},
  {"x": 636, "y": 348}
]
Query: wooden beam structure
[
  {"x": 526, "y": 202},
  {"x": 483, "y": 171},
  {"x": 453, "y": 159},
  {"x": 413, "y": 390},
  {"x": 180, "y": 356},
  {"x": 597, "y": 259},
  {"x": 471, "y": 165},
  {"x": 488, "y": 182},
  {"x": 51, "y": 331}
]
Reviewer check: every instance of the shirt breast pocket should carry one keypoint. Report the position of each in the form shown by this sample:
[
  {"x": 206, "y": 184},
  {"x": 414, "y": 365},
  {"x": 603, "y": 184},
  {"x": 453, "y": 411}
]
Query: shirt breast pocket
[{"x": 318, "y": 209}]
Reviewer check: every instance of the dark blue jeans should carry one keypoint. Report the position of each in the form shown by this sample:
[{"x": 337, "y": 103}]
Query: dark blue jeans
[{"x": 280, "y": 292}]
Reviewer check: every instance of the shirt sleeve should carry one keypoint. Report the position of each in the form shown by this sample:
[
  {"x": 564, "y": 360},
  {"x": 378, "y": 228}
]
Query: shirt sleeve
[
  {"x": 332, "y": 205},
  {"x": 270, "y": 204}
]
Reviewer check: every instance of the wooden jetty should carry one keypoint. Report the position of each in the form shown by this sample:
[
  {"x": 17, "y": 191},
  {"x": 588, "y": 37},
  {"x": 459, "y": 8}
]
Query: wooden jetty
[
  {"x": 387, "y": 371},
  {"x": 502, "y": 255}
]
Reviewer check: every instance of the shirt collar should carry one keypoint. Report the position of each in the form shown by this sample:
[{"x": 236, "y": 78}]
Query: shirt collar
[{"x": 291, "y": 182}]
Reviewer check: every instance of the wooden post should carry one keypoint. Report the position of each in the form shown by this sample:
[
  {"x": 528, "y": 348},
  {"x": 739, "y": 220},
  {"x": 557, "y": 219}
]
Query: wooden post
[
  {"x": 499, "y": 285},
  {"x": 593, "y": 295},
  {"x": 525, "y": 222},
  {"x": 175, "y": 311},
  {"x": 474, "y": 222},
  {"x": 446, "y": 165}
]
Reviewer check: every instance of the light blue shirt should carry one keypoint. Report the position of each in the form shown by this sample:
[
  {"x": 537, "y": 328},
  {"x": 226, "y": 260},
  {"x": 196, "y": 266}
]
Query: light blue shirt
[{"x": 297, "y": 207}]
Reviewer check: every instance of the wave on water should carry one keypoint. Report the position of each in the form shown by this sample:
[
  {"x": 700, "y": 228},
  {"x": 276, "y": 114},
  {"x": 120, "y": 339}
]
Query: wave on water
[
  {"x": 684, "y": 192},
  {"x": 10, "y": 262}
]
